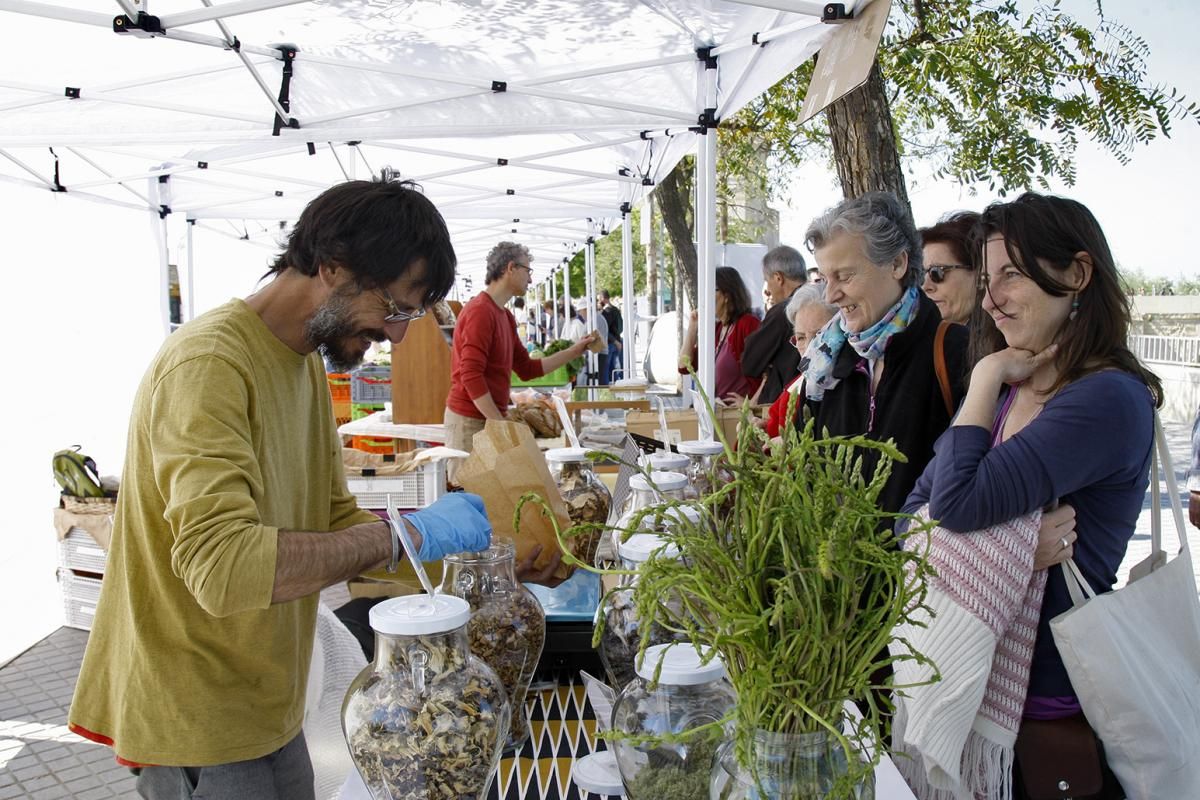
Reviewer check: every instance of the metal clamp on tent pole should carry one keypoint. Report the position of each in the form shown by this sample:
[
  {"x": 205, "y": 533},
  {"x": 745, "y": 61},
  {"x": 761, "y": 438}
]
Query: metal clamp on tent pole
[
  {"x": 143, "y": 25},
  {"x": 835, "y": 13},
  {"x": 285, "y": 89}
]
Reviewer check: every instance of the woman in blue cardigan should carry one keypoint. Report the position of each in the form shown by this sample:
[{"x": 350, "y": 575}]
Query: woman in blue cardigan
[{"x": 1058, "y": 415}]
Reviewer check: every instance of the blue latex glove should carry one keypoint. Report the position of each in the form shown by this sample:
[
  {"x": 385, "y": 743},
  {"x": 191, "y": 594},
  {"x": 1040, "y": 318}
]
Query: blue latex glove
[{"x": 456, "y": 523}]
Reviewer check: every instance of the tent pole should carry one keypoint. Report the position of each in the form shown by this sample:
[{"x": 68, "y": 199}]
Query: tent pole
[
  {"x": 552, "y": 323},
  {"x": 191, "y": 268},
  {"x": 628, "y": 337},
  {"x": 593, "y": 362},
  {"x": 566, "y": 310},
  {"x": 706, "y": 222}
]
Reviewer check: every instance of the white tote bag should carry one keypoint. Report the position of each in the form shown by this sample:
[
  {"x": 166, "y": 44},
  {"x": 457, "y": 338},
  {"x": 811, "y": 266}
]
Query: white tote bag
[{"x": 1133, "y": 656}]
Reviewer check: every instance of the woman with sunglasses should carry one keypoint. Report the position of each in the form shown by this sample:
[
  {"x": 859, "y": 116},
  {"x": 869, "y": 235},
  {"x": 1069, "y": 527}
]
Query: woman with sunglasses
[
  {"x": 807, "y": 312},
  {"x": 1059, "y": 415},
  {"x": 950, "y": 279}
]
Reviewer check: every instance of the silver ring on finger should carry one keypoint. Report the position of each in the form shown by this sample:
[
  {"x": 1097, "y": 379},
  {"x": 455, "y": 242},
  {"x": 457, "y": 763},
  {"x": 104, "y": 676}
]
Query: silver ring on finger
[{"x": 1065, "y": 544}]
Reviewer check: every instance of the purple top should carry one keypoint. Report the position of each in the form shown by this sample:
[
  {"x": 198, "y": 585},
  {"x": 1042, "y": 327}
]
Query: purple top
[
  {"x": 1035, "y": 707},
  {"x": 1089, "y": 448}
]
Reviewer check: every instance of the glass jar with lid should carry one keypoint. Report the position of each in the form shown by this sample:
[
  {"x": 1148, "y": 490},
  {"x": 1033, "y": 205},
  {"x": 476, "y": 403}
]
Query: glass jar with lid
[
  {"x": 507, "y": 626},
  {"x": 704, "y": 469},
  {"x": 425, "y": 719},
  {"x": 588, "y": 500},
  {"x": 658, "y": 758},
  {"x": 621, "y": 637},
  {"x": 666, "y": 461},
  {"x": 644, "y": 490}
]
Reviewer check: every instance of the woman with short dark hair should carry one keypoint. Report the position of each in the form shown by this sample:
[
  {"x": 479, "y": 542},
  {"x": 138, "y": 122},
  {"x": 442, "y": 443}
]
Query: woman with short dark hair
[{"x": 950, "y": 276}]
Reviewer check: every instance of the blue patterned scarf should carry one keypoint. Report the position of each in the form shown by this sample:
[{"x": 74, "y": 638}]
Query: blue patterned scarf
[{"x": 823, "y": 351}]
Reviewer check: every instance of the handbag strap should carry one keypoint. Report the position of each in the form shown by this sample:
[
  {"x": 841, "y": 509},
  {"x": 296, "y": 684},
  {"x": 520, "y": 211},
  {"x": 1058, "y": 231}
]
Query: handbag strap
[{"x": 1077, "y": 586}]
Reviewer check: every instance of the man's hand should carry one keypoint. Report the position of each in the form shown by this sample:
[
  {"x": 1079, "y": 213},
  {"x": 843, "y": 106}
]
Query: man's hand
[
  {"x": 528, "y": 573},
  {"x": 1194, "y": 508},
  {"x": 582, "y": 343},
  {"x": 1056, "y": 537},
  {"x": 456, "y": 523}
]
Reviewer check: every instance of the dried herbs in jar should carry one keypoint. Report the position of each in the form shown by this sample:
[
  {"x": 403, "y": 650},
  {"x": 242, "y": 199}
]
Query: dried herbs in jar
[
  {"x": 587, "y": 498},
  {"x": 426, "y": 719},
  {"x": 507, "y": 628}
]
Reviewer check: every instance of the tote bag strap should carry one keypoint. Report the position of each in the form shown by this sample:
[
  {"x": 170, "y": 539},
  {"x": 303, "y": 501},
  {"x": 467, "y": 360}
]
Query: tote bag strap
[{"x": 1077, "y": 586}]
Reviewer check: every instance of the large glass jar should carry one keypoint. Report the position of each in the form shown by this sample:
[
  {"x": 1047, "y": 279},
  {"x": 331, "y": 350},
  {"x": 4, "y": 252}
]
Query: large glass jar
[
  {"x": 621, "y": 637},
  {"x": 426, "y": 719},
  {"x": 586, "y": 496},
  {"x": 704, "y": 466},
  {"x": 646, "y": 490},
  {"x": 507, "y": 627},
  {"x": 689, "y": 694},
  {"x": 788, "y": 766}
]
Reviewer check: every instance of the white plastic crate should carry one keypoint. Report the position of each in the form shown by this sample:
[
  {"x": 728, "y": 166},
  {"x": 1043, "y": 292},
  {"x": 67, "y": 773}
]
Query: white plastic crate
[
  {"x": 415, "y": 489},
  {"x": 80, "y": 551},
  {"x": 371, "y": 385},
  {"x": 80, "y": 596}
]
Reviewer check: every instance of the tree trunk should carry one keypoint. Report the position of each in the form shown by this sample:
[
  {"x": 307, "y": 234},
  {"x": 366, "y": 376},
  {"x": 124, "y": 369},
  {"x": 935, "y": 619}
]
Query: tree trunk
[
  {"x": 864, "y": 144},
  {"x": 675, "y": 202}
]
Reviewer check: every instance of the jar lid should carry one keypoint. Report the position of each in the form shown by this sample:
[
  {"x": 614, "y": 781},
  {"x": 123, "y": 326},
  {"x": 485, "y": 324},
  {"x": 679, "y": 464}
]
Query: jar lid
[
  {"x": 689, "y": 514},
  {"x": 567, "y": 455},
  {"x": 418, "y": 614},
  {"x": 664, "y": 481},
  {"x": 680, "y": 665},
  {"x": 667, "y": 462},
  {"x": 641, "y": 546},
  {"x": 701, "y": 447},
  {"x": 597, "y": 773}
]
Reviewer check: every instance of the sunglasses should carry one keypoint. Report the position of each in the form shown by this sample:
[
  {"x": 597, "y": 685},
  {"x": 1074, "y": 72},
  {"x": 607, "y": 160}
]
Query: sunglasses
[
  {"x": 395, "y": 314},
  {"x": 937, "y": 272}
]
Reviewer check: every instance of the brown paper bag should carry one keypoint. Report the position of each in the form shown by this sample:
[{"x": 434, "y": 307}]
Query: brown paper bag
[{"x": 505, "y": 464}]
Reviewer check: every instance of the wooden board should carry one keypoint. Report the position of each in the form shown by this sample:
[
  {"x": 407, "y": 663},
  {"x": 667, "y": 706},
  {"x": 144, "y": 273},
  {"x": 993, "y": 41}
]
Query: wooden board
[{"x": 420, "y": 374}]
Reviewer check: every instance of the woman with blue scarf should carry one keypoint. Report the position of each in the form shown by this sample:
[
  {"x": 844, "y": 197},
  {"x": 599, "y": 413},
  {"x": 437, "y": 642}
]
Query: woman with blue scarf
[{"x": 872, "y": 367}]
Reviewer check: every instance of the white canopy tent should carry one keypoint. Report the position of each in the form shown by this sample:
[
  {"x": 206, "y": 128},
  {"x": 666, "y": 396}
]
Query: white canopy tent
[{"x": 541, "y": 122}]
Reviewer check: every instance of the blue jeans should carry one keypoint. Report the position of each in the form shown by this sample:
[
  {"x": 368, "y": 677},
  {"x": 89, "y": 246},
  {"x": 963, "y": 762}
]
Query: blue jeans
[
  {"x": 615, "y": 361},
  {"x": 285, "y": 774}
]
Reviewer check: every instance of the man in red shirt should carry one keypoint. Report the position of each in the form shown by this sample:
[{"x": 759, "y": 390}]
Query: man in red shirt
[{"x": 487, "y": 349}]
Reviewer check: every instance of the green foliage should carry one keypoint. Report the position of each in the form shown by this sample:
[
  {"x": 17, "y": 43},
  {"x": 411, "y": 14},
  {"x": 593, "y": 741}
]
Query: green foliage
[
  {"x": 990, "y": 94},
  {"x": 1137, "y": 282},
  {"x": 574, "y": 365},
  {"x": 608, "y": 262}
]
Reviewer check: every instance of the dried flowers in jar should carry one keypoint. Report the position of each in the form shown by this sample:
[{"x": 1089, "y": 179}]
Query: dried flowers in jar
[
  {"x": 587, "y": 498},
  {"x": 507, "y": 627},
  {"x": 426, "y": 719}
]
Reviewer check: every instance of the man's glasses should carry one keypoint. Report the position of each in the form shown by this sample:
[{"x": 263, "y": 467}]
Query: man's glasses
[
  {"x": 937, "y": 272},
  {"x": 525, "y": 267},
  {"x": 395, "y": 314}
]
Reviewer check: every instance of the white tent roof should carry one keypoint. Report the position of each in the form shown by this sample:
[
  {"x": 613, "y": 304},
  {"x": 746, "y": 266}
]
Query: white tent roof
[{"x": 533, "y": 116}]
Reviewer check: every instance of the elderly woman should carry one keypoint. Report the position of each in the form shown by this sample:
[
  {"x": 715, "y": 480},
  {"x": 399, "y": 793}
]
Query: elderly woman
[
  {"x": 873, "y": 369},
  {"x": 950, "y": 279},
  {"x": 806, "y": 313},
  {"x": 735, "y": 323},
  {"x": 1059, "y": 415}
]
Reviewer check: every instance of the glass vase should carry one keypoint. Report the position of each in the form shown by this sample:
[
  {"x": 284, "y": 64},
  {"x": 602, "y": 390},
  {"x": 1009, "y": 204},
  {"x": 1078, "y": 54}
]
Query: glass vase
[
  {"x": 786, "y": 766},
  {"x": 507, "y": 627}
]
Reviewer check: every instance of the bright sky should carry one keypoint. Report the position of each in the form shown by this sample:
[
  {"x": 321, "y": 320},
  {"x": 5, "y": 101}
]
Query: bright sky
[{"x": 1146, "y": 207}]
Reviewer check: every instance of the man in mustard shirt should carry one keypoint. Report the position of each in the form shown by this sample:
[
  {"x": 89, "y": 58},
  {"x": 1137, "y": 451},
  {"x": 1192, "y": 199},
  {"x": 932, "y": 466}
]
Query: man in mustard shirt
[{"x": 234, "y": 512}]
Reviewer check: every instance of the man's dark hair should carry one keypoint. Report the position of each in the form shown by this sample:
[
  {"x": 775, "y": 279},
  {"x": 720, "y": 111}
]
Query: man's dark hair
[
  {"x": 604, "y": 295},
  {"x": 518, "y": 302},
  {"x": 378, "y": 230}
]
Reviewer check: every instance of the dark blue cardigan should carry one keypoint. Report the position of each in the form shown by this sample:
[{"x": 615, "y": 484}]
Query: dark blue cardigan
[{"x": 1089, "y": 448}]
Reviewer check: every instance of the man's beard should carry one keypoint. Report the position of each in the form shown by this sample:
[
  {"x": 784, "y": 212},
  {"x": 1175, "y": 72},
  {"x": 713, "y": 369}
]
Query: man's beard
[{"x": 332, "y": 331}]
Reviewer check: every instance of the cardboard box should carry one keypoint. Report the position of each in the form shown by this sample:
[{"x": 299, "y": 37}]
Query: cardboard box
[{"x": 646, "y": 423}]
